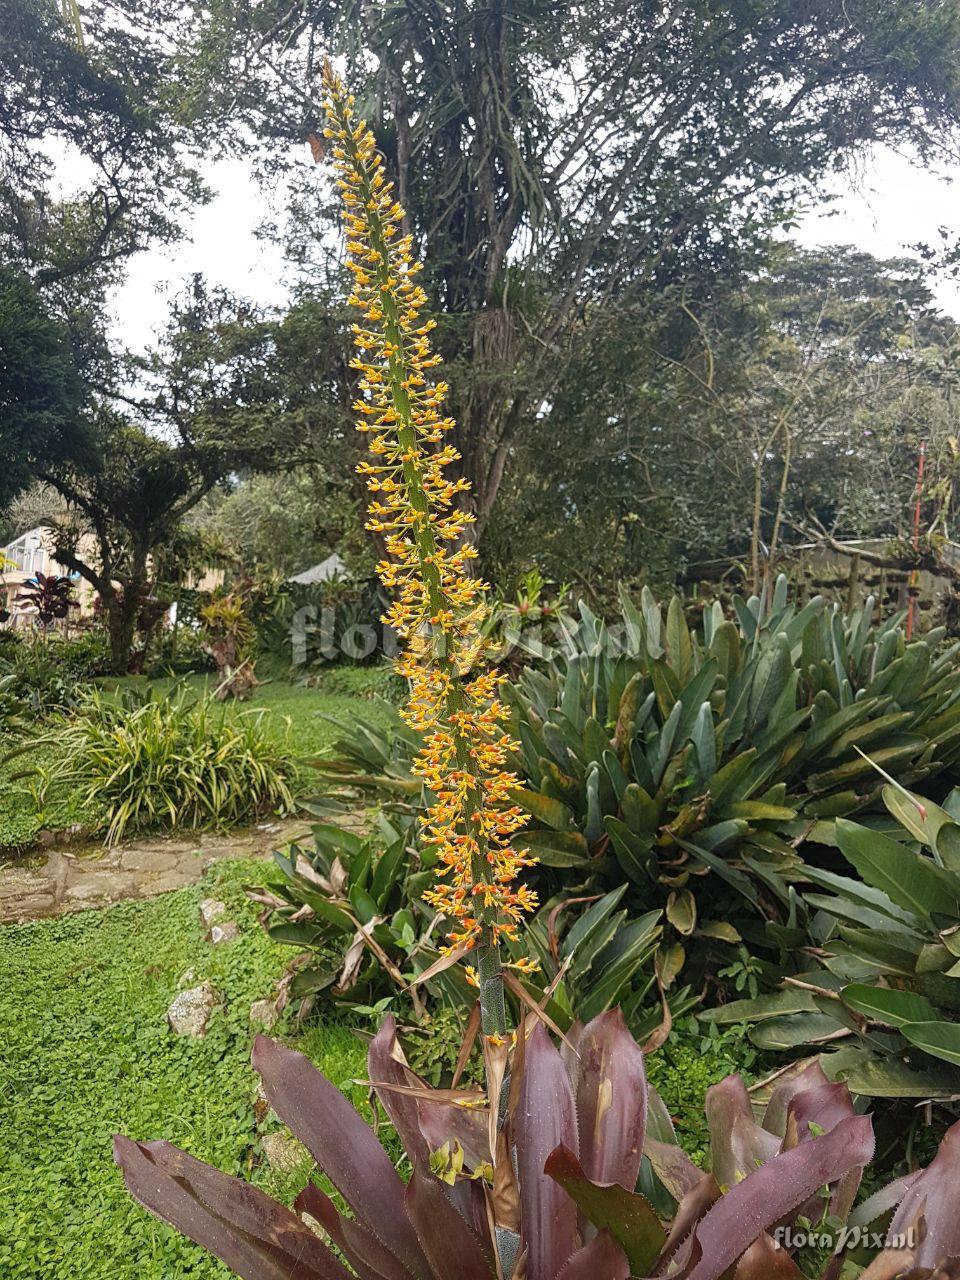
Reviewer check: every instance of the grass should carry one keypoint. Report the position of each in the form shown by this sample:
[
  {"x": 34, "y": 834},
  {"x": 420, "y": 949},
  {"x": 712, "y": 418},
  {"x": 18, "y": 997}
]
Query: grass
[
  {"x": 293, "y": 712},
  {"x": 85, "y": 1052}
]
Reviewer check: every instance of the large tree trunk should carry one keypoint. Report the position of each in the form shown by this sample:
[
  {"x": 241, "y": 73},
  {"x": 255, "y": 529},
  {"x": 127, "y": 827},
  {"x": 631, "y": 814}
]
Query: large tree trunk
[
  {"x": 121, "y": 615},
  {"x": 122, "y": 608}
]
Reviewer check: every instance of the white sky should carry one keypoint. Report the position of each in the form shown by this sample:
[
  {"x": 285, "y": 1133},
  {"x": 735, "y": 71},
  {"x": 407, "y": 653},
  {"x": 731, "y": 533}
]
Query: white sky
[{"x": 889, "y": 205}]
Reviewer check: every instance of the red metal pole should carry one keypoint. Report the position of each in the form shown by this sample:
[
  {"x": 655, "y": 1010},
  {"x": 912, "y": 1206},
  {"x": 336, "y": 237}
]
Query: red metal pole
[{"x": 913, "y": 585}]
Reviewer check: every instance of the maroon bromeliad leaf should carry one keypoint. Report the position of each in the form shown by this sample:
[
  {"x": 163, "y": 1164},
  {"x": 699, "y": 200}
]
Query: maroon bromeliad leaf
[
  {"x": 256, "y": 1237},
  {"x": 544, "y": 1119},
  {"x": 601, "y": 1259},
  {"x": 764, "y": 1261},
  {"x": 611, "y": 1101},
  {"x": 344, "y": 1147},
  {"x": 775, "y": 1189},
  {"x": 933, "y": 1198},
  {"x": 737, "y": 1143},
  {"x": 368, "y": 1255},
  {"x": 386, "y": 1065},
  {"x": 425, "y": 1125},
  {"x": 800, "y": 1077},
  {"x": 452, "y": 1247}
]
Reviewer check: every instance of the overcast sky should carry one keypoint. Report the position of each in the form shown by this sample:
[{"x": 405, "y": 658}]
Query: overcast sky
[{"x": 889, "y": 205}]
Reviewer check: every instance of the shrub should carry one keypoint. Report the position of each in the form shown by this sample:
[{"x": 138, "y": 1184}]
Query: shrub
[
  {"x": 691, "y": 767},
  {"x": 882, "y": 1003},
  {"x": 560, "y": 1151},
  {"x": 174, "y": 760},
  {"x": 40, "y": 677}
]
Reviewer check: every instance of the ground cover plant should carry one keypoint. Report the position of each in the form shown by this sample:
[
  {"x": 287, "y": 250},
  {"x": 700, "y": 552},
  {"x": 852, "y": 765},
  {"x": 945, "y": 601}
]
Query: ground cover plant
[{"x": 85, "y": 1049}]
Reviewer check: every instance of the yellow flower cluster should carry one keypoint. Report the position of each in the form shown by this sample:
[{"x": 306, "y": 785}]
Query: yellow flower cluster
[{"x": 438, "y": 605}]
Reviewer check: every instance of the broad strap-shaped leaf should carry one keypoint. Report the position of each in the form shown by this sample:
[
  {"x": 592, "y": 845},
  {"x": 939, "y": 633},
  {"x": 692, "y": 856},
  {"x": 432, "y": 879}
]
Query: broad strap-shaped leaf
[
  {"x": 627, "y": 1216},
  {"x": 939, "y": 1039},
  {"x": 344, "y": 1147},
  {"x": 451, "y": 1245},
  {"x": 778, "y": 1187},
  {"x": 544, "y": 1118},
  {"x": 611, "y": 1097},
  {"x": 386, "y": 1065},
  {"x": 253, "y": 1235},
  {"x": 910, "y": 880},
  {"x": 823, "y": 1107},
  {"x": 883, "y": 1004},
  {"x": 681, "y": 1248},
  {"x": 601, "y": 1259},
  {"x": 672, "y": 1166},
  {"x": 369, "y": 1256},
  {"x": 934, "y": 1198}
]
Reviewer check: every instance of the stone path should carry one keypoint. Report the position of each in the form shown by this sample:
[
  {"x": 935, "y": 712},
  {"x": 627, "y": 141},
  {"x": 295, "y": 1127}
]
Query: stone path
[{"x": 77, "y": 879}]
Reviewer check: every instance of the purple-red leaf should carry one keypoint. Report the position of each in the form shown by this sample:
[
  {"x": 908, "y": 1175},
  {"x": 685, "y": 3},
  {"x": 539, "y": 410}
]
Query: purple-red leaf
[
  {"x": 737, "y": 1143},
  {"x": 601, "y": 1259},
  {"x": 935, "y": 1196},
  {"x": 386, "y": 1065},
  {"x": 764, "y": 1261},
  {"x": 369, "y": 1257},
  {"x": 453, "y": 1248},
  {"x": 775, "y": 1189},
  {"x": 256, "y": 1237},
  {"x": 343, "y": 1146},
  {"x": 806, "y": 1075},
  {"x": 544, "y": 1119},
  {"x": 611, "y": 1101}
]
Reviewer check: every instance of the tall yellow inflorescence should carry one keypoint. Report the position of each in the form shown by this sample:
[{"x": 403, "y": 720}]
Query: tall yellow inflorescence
[{"x": 438, "y": 605}]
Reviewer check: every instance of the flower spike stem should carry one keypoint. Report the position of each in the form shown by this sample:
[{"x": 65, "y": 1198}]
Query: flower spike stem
[{"x": 438, "y": 606}]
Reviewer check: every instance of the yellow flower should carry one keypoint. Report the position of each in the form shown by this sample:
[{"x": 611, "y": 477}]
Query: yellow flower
[{"x": 438, "y": 606}]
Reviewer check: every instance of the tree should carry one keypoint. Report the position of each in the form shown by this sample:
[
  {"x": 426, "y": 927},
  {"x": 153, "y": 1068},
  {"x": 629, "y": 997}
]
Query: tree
[
  {"x": 40, "y": 392},
  {"x": 127, "y": 497},
  {"x": 94, "y": 87},
  {"x": 732, "y": 415},
  {"x": 557, "y": 159}
]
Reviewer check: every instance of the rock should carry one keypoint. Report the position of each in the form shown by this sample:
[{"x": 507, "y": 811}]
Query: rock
[
  {"x": 147, "y": 860},
  {"x": 187, "y": 979},
  {"x": 31, "y": 906},
  {"x": 284, "y": 1153},
  {"x": 229, "y": 931},
  {"x": 190, "y": 1011},
  {"x": 95, "y": 886},
  {"x": 212, "y": 909},
  {"x": 263, "y": 1013}
]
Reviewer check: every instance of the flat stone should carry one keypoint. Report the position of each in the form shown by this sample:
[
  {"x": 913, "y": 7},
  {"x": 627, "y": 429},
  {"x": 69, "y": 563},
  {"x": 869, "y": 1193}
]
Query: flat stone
[
  {"x": 263, "y": 1013},
  {"x": 166, "y": 883},
  {"x": 284, "y": 1153},
  {"x": 16, "y": 884},
  {"x": 147, "y": 860},
  {"x": 229, "y": 931},
  {"x": 96, "y": 886},
  {"x": 30, "y": 907},
  {"x": 190, "y": 1011},
  {"x": 186, "y": 979},
  {"x": 212, "y": 909}
]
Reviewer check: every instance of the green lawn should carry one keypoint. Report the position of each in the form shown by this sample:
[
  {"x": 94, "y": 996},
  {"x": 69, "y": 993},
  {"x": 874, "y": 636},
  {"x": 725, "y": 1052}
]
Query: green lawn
[
  {"x": 292, "y": 711},
  {"x": 85, "y": 1052}
]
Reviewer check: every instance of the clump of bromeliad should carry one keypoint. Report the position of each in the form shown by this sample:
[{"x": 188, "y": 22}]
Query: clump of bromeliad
[{"x": 535, "y": 1177}]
